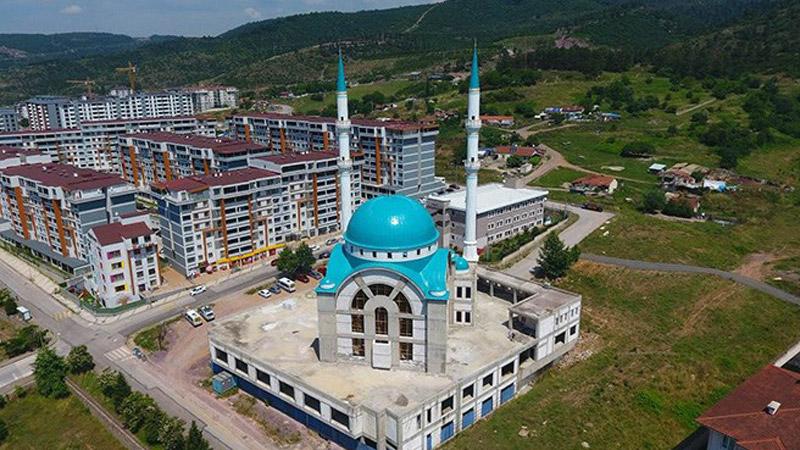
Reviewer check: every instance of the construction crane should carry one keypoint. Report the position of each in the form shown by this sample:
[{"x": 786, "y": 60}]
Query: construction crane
[
  {"x": 131, "y": 71},
  {"x": 87, "y": 83}
]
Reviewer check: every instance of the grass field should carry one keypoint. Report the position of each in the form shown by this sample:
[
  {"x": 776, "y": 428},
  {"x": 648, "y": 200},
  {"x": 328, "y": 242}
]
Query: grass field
[
  {"x": 557, "y": 178},
  {"x": 660, "y": 353},
  {"x": 38, "y": 423}
]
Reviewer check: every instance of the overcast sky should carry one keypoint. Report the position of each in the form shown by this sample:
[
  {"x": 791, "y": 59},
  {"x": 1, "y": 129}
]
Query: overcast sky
[{"x": 148, "y": 17}]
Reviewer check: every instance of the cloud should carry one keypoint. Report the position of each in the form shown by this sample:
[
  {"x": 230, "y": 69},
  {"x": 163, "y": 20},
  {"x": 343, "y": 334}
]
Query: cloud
[
  {"x": 252, "y": 13},
  {"x": 71, "y": 10}
]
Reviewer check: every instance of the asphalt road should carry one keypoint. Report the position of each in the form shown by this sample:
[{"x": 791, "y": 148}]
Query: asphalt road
[{"x": 587, "y": 222}]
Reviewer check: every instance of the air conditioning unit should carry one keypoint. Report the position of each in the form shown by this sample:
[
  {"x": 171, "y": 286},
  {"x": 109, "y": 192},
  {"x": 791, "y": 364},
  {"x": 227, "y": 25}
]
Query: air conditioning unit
[{"x": 772, "y": 408}]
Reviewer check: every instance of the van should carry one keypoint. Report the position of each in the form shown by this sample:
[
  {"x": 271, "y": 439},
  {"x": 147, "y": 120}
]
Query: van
[
  {"x": 24, "y": 313},
  {"x": 193, "y": 318},
  {"x": 286, "y": 284}
]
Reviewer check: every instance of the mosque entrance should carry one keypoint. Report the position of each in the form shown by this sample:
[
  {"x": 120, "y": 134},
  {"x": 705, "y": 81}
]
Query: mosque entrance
[{"x": 381, "y": 354}]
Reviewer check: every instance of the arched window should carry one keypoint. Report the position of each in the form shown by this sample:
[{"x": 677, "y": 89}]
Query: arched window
[
  {"x": 381, "y": 321},
  {"x": 402, "y": 303},
  {"x": 359, "y": 300},
  {"x": 381, "y": 289}
]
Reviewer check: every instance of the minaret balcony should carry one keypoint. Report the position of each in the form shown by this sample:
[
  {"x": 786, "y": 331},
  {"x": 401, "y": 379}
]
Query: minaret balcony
[
  {"x": 472, "y": 166},
  {"x": 472, "y": 124},
  {"x": 343, "y": 125}
]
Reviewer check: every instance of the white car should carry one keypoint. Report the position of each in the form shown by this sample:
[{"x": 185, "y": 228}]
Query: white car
[
  {"x": 197, "y": 290},
  {"x": 314, "y": 248},
  {"x": 193, "y": 318},
  {"x": 265, "y": 293},
  {"x": 207, "y": 313}
]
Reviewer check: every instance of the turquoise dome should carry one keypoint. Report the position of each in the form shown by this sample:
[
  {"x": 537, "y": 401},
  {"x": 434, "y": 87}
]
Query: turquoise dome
[{"x": 391, "y": 223}]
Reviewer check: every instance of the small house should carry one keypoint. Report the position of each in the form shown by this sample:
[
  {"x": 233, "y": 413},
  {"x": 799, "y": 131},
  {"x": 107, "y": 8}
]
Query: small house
[
  {"x": 594, "y": 183},
  {"x": 657, "y": 169}
]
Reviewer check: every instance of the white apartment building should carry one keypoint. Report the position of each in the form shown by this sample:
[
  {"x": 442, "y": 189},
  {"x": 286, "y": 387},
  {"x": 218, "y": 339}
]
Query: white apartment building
[
  {"x": 124, "y": 261},
  {"x": 9, "y": 119},
  {"x": 205, "y": 98}
]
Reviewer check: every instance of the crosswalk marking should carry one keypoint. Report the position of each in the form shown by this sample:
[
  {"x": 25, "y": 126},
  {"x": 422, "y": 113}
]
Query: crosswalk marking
[
  {"x": 120, "y": 354},
  {"x": 62, "y": 315}
]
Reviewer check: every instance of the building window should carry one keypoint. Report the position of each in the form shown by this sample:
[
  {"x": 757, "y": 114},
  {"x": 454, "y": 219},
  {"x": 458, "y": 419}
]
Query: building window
[
  {"x": 222, "y": 356},
  {"x": 508, "y": 369},
  {"x": 340, "y": 418},
  {"x": 358, "y": 347},
  {"x": 311, "y": 402},
  {"x": 381, "y": 321},
  {"x": 447, "y": 405},
  {"x": 467, "y": 292},
  {"x": 488, "y": 380},
  {"x": 406, "y": 327},
  {"x": 262, "y": 377},
  {"x": 573, "y": 329},
  {"x": 467, "y": 317},
  {"x": 561, "y": 338},
  {"x": 359, "y": 300},
  {"x": 402, "y": 303},
  {"x": 381, "y": 289},
  {"x": 406, "y": 351},
  {"x": 357, "y": 323},
  {"x": 286, "y": 389},
  {"x": 468, "y": 392},
  {"x": 458, "y": 292},
  {"x": 241, "y": 366}
]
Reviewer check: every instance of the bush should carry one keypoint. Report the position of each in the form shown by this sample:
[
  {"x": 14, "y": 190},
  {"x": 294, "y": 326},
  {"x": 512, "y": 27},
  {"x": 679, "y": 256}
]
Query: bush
[
  {"x": 514, "y": 161},
  {"x": 195, "y": 439},
  {"x": 115, "y": 387},
  {"x": 135, "y": 409},
  {"x": 678, "y": 208},
  {"x": 3, "y": 431},
  {"x": 27, "y": 339},
  {"x": 500, "y": 250},
  {"x": 653, "y": 201},
  {"x": 79, "y": 360},
  {"x": 637, "y": 149}
]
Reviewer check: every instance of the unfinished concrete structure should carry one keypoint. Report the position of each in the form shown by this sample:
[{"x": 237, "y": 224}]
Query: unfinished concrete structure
[{"x": 407, "y": 344}]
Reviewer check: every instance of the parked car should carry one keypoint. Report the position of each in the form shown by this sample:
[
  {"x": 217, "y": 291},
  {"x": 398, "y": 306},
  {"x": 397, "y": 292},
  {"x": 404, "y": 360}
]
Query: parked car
[
  {"x": 331, "y": 241},
  {"x": 275, "y": 289},
  {"x": 302, "y": 277},
  {"x": 315, "y": 275},
  {"x": 193, "y": 318},
  {"x": 207, "y": 313},
  {"x": 324, "y": 255},
  {"x": 197, "y": 290},
  {"x": 323, "y": 270},
  {"x": 274, "y": 262},
  {"x": 314, "y": 248},
  {"x": 266, "y": 293},
  {"x": 137, "y": 352},
  {"x": 592, "y": 207},
  {"x": 286, "y": 284}
]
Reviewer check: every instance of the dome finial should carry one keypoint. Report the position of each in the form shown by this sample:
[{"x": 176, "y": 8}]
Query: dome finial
[
  {"x": 474, "y": 82},
  {"x": 341, "y": 84}
]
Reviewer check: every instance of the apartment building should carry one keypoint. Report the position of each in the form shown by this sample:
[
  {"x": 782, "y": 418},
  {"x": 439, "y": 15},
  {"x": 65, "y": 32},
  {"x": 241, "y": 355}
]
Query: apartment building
[
  {"x": 309, "y": 195},
  {"x": 93, "y": 145},
  {"x": 52, "y": 207},
  {"x": 53, "y": 112},
  {"x": 124, "y": 259},
  {"x": 502, "y": 213},
  {"x": 221, "y": 219},
  {"x": 9, "y": 119},
  {"x": 398, "y": 157},
  {"x": 12, "y": 156},
  {"x": 205, "y": 98},
  {"x": 146, "y": 158}
]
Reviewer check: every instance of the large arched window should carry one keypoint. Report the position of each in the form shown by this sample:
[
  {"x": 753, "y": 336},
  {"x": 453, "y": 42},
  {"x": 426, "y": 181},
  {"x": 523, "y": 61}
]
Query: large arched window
[
  {"x": 402, "y": 303},
  {"x": 381, "y": 321}
]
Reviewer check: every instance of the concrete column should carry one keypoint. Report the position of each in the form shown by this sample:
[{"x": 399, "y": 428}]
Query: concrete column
[
  {"x": 326, "y": 311},
  {"x": 436, "y": 339}
]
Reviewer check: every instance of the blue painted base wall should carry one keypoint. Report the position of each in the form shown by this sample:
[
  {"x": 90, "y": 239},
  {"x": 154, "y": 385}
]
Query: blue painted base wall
[{"x": 323, "y": 429}]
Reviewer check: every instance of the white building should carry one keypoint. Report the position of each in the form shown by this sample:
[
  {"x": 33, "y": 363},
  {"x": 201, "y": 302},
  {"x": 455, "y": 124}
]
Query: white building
[
  {"x": 502, "y": 212},
  {"x": 124, "y": 260},
  {"x": 9, "y": 119},
  {"x": 205, "y": 98}
]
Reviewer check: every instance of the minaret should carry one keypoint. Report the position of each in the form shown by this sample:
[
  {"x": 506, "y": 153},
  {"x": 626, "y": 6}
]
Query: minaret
[
  {"x": 343, "y": 131},
  {"x": 472, "y": 164}
]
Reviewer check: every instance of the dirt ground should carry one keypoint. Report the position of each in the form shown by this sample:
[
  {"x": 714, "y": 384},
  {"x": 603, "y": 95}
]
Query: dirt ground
[
  {"x": 757, "y": 265},
  {"x": 187, "y": 362}
]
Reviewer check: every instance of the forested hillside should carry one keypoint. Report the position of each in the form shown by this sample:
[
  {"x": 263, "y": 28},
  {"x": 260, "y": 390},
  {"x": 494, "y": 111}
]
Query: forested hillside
[{"x": 275, "y": 51}]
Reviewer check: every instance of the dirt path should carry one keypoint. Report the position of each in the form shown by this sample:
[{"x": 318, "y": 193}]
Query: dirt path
[
  {"x": 756, "y": 265},
  {"x": 419, "y": 20},
  {"x": 698, "y": 106}
]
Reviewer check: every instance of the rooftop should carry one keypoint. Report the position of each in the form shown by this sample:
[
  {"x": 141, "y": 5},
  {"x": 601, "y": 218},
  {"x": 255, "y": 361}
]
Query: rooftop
[
  {"x": 525, "y": 152},
  {"x": 115, "y": 232},
  {"x": 298, "y": 157},
  {"x": 198, "y": 183},
  {"x": 742, "y": 413},
  {"x": 7, "y": 152},
  {"x": 285, "y": 339},
  {"x": 491, "y": 197},
  {"x": 65, "y": 176},
  {"x": 217, "y": 145},
  {"x": 594, "y": 180},
  {"x": 398, "y": 125}
]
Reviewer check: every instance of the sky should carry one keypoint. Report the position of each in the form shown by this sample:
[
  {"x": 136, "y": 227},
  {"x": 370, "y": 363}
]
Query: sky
[{"x": 140, "y": 18}]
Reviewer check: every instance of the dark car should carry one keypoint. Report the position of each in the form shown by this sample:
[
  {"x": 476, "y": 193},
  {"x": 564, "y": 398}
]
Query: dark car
[
  {"x": 315, "y": 275},
  {"x": 275, "y": 289},
  {"x": 324, "y": 255},
  {"x": 302, "y": 277},
  {"x": 592, "y": 207},
  {"x": 274, "y": 262}
]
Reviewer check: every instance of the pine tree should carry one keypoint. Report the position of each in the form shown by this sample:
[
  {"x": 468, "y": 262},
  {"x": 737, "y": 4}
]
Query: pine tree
[
  {"x": 555, "y": 258},
  {"x": 195, "y": 439}
]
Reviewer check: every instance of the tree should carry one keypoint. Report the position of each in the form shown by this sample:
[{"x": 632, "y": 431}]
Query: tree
[
  {"x": 295, "y": 261},
  {"x": 27, "y": 339},
  {"x": 115, "y": 387},
  {"x": 152, "y": 427},
  {"x": 3, "y": 431},
  {"x": 653, "y": 201},
  {"x": 49, "y": 370},
  {"x": 79, "y": 360},
  {"x": 10, "y": 306},
  {"x": 135, "y": 409},
  {"x": 171, "y": 434},
  {"x": 637, "y": 149},
  {"x": 195, "y": 439},
  {"x": 514, "y": 161},
  {"x": 555, "y": 258}
]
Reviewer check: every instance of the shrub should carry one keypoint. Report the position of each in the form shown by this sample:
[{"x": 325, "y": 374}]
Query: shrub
[
  {"x": 79, "y": 360},
  {"x": 637, "y": 149}
]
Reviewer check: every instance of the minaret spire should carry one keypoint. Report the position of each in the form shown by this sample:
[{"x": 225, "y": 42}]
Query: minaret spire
[
  {"x": 472, "y": 164},
  {"x": 343, "y": 132}
]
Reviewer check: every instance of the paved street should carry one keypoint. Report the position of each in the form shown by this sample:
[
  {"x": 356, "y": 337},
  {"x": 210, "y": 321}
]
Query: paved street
[{"x": 587, "y": 222}]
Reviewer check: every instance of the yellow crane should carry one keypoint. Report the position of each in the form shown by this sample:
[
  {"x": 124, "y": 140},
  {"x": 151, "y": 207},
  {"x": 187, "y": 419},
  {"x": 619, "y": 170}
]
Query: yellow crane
[
  {"x": 131, "y": 71},
  {"x": 87, "y": 83}
]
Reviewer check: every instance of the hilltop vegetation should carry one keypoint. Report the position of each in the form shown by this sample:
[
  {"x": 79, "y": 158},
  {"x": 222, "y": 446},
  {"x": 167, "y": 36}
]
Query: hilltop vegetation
[{"x": 275, "y": 51}]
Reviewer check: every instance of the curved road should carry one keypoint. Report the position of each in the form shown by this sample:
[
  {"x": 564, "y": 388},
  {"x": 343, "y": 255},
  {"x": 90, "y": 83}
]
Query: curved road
[{"x": 685, "y": 268}]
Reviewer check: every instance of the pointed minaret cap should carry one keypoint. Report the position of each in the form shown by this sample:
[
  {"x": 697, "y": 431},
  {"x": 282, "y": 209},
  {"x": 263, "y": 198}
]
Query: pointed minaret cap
[
  {"x": 474, "y": 82},
  {"x": 341, "y": 84}
]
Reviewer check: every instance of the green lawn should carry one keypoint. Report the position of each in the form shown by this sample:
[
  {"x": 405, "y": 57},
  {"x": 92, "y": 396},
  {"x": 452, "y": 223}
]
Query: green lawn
[
  {"x": 664, "y": 347},
  {"x": 38, "y": 423},
  {"x": 557, "y": 178}
]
